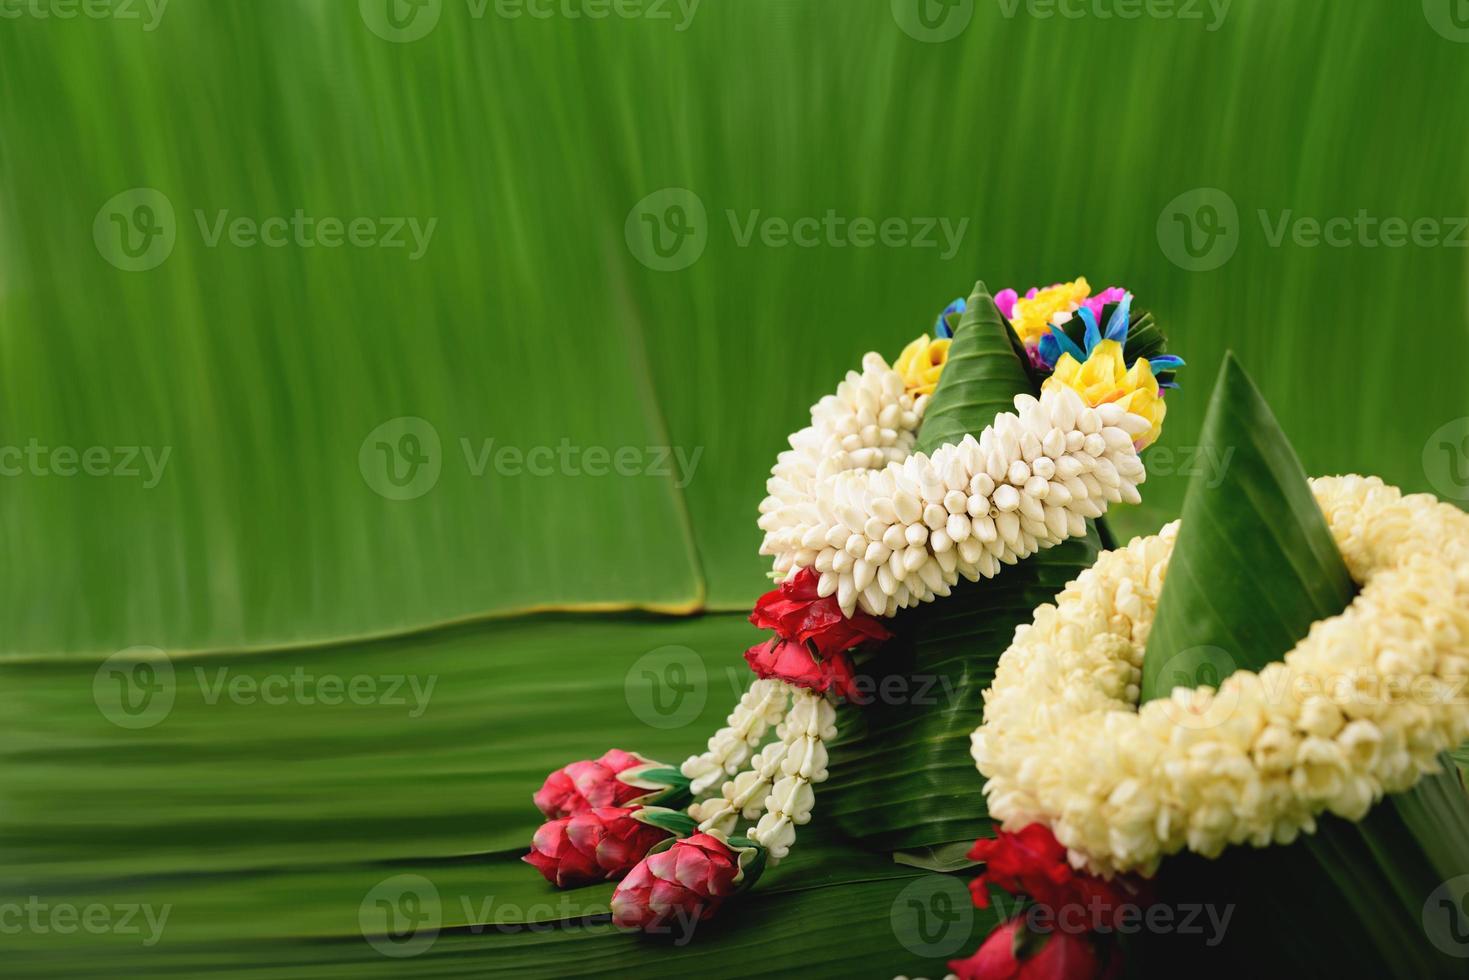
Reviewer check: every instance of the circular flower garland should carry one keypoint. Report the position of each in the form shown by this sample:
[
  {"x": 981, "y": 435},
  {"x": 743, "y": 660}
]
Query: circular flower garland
[
  {"x": 1064, "y": 743},
  {"x": 860, "y": 526}
]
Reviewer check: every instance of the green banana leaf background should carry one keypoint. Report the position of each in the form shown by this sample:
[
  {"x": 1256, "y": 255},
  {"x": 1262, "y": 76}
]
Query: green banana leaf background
[{"x": 387, "y": 389}]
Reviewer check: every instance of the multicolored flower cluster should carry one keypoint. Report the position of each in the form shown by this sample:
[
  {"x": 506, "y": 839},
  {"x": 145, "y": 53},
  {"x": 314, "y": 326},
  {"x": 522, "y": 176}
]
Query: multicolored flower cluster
[{"x": 1092, "y": 361}]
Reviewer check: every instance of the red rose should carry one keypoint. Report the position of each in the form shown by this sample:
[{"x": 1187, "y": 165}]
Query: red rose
[
  {"x": 1013, "y": 953},
  {"x": 797, "y": 613},
  {"x": 1031, "y": 862},
  {"x": 595, "y": 845},
  {"x": 583, "y": 785},
  {"x": 678, "y": 887},
  {"x": 793, "y": 662}
]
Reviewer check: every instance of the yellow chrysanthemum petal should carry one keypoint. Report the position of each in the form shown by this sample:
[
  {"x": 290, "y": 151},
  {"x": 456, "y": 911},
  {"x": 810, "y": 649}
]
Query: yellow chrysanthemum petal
[
  {"x": 1105, "y": 378},
  {"x": 921, "y": 364},
  {"x": 1033, "y": 317}
]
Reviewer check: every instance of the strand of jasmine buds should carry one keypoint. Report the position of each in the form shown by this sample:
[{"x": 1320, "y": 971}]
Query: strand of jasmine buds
[
  {"x": 763, "y": 705},
  {"x": 870, "y": 422},
  {"x": 745, "y": 795},
  {"x": 807, "y": 726},
  {"x": 896, "y": 537}
]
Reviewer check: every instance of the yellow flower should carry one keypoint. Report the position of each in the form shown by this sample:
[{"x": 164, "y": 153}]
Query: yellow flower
[
  {"x": 1105, "y": 377},
  {"x": 1033, "y": 317},
  {"x": 921, "y": 363}
]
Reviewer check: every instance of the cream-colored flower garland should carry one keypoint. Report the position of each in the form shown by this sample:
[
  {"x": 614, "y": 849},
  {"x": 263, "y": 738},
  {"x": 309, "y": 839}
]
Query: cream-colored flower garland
[
  {"x": 888, "y": 528},
  {"x": 1359, "y": 708}
]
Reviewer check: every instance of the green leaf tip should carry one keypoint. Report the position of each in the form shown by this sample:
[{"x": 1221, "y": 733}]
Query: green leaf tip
[
  {"x": 1255, "y": 563},
  {"x": 984, "y": 372}
]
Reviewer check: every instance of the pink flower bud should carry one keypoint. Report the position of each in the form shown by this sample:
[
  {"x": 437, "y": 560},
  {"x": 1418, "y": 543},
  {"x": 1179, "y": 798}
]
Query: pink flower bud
[
  {"x": 602, "y": 844},
  {"x": 678, "y": 887},
  {"x": 588, "y": 784}
]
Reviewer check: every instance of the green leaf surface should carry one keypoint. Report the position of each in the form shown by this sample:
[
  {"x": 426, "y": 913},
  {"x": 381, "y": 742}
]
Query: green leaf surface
[
  {"x": 263, "y": 818},
  {"x": 1255, "y": 564},
  {"x": 902, "y": 777}
]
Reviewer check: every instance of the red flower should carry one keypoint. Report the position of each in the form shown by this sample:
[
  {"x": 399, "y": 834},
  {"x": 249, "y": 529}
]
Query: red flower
[
  {"x": 678, "y": 887},
  {"x": 583, "y": 785},
  {"x": 1032, "y": 862},
  {"x": 595, "y": 845},
  {"x": 797, "y": 613},
  {"x": 794, "y": 663},
  {"x": 1013, "y": 953}
]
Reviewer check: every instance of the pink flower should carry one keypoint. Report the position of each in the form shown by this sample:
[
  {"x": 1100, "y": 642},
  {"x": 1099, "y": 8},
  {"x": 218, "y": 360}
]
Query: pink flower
[
  {"x": 1112, "y": 294},
  {"x": 794, "y": 663},
  {"x": 587, "y": 784},
  {"x": 678, "y": 887},
  {"x": 1006, "y": 299},
  {"x": 595, "y": 845},
  {"x": 1012, "y": 953}
]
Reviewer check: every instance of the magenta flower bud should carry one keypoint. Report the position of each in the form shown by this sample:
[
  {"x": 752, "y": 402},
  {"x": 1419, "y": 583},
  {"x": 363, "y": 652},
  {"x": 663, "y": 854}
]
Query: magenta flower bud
[
  {"x": 601, "y": 844},
  {"x": 685, "y": 884},
  {"x": 591, "y": 783}
]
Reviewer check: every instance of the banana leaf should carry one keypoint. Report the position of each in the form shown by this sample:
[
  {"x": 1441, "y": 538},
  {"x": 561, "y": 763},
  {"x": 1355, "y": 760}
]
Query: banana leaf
[
  {"x": 902, "y": 777},
  {"x": 1254, "y": 566}
]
